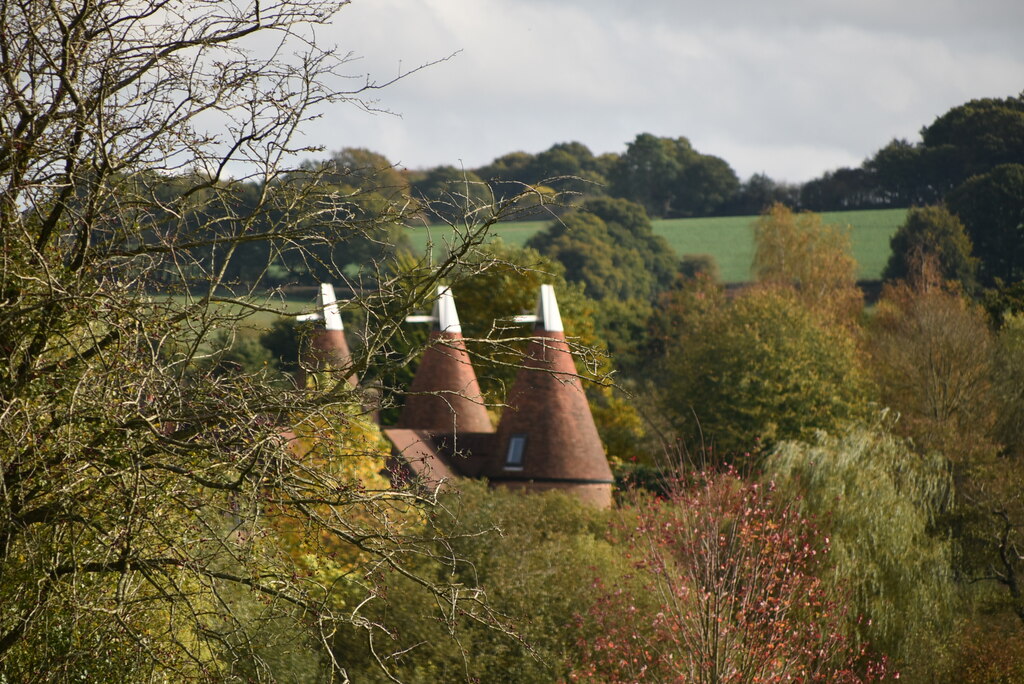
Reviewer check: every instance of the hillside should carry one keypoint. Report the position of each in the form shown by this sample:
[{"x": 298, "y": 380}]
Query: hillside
[{"x": 729, "y": 239}]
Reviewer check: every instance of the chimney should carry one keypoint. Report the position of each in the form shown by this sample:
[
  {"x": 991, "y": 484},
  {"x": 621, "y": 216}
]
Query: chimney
[
  {"x": 445, "y": 395},
  {"x": 547, "y": 435},
  {"x": 327, "y": 348}
]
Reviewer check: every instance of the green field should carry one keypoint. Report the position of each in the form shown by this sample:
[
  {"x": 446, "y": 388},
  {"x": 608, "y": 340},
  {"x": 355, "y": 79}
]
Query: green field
[
  {"x": 258, "y": 320},
  {"x": 729, "y": 239}
]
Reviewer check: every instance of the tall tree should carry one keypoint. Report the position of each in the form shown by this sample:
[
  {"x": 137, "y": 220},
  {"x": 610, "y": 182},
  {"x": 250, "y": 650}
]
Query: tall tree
[
  {"x": 669, "y": 178},
  {"x": 991, "y": 207},
  {"x": 646, "y": 173},
  {"x": 609, "y": 246},
  {"x": 725, "y": 590},
  {"x": 931, "y": 352},
  {"x": 141, "y": 489},
  {"x": 904, "y": 177},
  {"x": 449, "y": 194},
  {"x": 933, "y": 236},
  {"x": 975, "y": 137},
  {"x": 815, "y": 260},
  {"x": 840, "y": 190},
  {"x": 880, "y": 504},
  {"x": 759, "y": 192},
  {"x": 758, "y": 369}
]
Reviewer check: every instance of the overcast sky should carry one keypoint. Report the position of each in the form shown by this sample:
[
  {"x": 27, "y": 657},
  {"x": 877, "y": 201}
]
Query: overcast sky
[{"x": 791, "y": 88}]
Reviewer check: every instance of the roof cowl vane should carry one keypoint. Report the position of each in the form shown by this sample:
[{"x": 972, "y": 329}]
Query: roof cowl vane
[
  {"x": 444, "y": 316},
  {"x": 328, "y": 312},
  {"x": 547, "y": 316}
]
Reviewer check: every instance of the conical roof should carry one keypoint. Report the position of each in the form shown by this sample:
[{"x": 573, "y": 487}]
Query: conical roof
[
  {"x": 547, "y": 432},
  {"x": 327, "y": 347},
  {"x": 445, "y": 395}
]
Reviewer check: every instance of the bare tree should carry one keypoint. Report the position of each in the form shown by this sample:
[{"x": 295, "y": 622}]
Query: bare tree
[{"x": 144, "y": 146}]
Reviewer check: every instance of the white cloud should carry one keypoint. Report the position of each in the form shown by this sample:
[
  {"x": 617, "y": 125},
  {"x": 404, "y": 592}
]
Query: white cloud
[{"x": 790, "y": 88}]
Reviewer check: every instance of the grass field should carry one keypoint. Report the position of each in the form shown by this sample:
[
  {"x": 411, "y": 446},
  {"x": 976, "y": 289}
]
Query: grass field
[
  {"x": 258, "y": 320},
  {"x": 729, "y": 239}
]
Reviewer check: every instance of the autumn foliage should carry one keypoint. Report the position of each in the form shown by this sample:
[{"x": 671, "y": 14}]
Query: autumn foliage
[{"x": 724, "y": 590}]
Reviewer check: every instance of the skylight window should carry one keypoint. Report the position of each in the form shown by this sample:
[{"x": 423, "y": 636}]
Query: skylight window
[{"x": 514, "y": 456}]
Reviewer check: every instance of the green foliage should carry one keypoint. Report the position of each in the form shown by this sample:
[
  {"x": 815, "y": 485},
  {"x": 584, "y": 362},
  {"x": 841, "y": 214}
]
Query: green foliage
[
  {"x": 237, "y": 351},
  {"x": 621, "y": 324},
  {"x": 759, "y": 192},
  {"x": 991, "y": 207},
  {"x": 571, "y": 167},
  {"x": 973, "y": 138},
  {"x": 905, "y": 175},
  {"x": 505, "y": 284},
  {"x": 759, "y": 366},
  {"x": 282, "y": 340},
  {"x": 670, "y": 179},
  {"x": 878, "y": 502},
  {"x": 609, "y": 246},
  {"x": 584, "y": 246},
  {"x": 371, "y": 180},
  {"x": 933, "y": 233},
  {"x": 970, "y": 139},
  {"x": 838, "y": 190},
  {"x": 1003, "y": 301},
  {"x": 448, "y": 194},
  {"x": 536, "y": 557}
]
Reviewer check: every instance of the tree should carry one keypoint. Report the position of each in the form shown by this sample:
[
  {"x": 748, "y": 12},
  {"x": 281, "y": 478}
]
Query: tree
[
  {"x": 936, "y": 361},
  {"x": 706, "y": 185},
  {"x": 1009, "y": 385},
  {"x": 448, "y": 194},
  {"x": 973, "y": 138},
  {"x": 880, "y": 504},
  {"x": 669, "y": 178},
  {"x": 141, "y": 490},
  {"x": 932, "y": 234},
  {"x": 513, "y": 167},
  {"x": 902, "y": 174},
  {"x": 570, "y": 167},
  {"x": 931, "y": 353},
  {"x": 759, "y": 192},
  {"x": 840, "y": 190},
  {"x": 366, "y": 190},
  {"x": 609, "y": 246},
  {"x": 646, "y": 172},
  {"x": 725, "y": 591},
  {"x": 991, "y": 207},
  {"x": 505, "y": 284},
  {"x": 799, "y": 252},
  {"x": 574, "y": 165},
  {"x": 759, "y": 367},
  {"x": 535, "y": 555}
]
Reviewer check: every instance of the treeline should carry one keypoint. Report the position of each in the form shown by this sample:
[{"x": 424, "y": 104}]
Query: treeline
[
  {"x": 973, "y": 149},
  {"x": 671, "y": 179}
]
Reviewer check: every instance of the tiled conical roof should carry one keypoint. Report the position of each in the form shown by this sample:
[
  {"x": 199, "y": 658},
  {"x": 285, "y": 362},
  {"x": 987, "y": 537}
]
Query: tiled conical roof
[
  {"x": 445, "y": 396},
  {"x": 327, "y": 347},
  {"x": 547, "y": 433}
]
